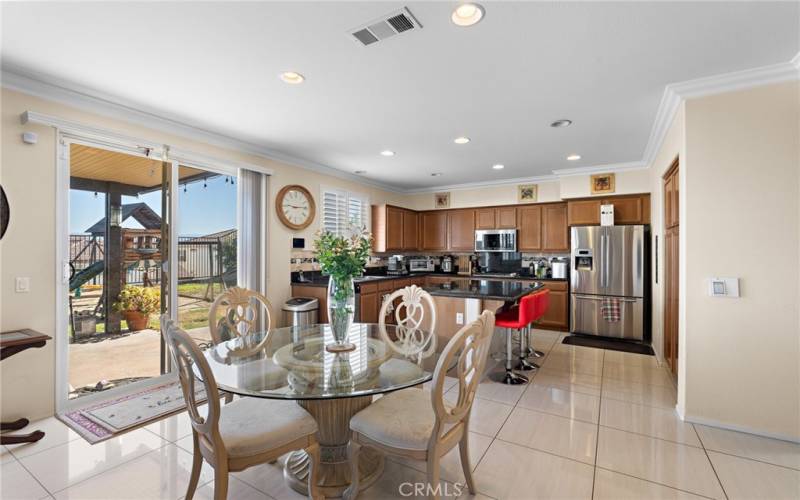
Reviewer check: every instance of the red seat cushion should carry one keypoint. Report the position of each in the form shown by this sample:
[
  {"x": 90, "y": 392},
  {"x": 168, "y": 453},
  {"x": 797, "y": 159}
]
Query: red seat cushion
[{"x": 531, "y": 308}]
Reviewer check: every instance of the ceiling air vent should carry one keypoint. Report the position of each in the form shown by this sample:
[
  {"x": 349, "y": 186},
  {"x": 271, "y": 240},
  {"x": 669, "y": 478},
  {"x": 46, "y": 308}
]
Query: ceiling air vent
[{"x": 385, "y": 27}]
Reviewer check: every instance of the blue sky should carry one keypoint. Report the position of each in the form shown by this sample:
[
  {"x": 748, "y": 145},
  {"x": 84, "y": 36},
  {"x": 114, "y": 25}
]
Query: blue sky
[{"x": 200, "y": 210}]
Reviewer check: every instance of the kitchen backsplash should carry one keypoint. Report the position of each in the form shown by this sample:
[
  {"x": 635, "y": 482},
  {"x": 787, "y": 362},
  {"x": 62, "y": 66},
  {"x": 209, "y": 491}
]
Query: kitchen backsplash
[{"x": 306, "y": 260}]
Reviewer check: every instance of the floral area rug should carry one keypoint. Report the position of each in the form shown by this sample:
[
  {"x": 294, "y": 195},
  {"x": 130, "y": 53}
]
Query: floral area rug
[{"x": 103, "y": 420}]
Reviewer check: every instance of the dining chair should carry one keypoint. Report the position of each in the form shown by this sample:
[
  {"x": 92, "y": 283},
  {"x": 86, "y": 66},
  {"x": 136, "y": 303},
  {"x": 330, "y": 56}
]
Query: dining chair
[
  {"x": 422, "y": 425},
  {"x": 240, "y": 316},
  {"x": 239, "y": 435},
  {"x": 414, "y": 335}
]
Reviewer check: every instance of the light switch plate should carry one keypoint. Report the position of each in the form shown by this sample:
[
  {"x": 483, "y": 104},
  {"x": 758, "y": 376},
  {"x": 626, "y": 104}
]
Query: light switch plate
[
  {"x": 459, "y": 318},
  {"x": 22, "y": 285},
  {"x": 723, "y": 287}
]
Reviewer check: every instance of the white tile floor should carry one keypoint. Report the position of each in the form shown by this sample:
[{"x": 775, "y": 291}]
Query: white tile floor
[{"x": 591, "y": 424}]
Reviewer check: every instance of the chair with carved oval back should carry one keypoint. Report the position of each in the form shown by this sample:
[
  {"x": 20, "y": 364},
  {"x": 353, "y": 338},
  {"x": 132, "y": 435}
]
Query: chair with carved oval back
[
  {"x": 239, "y": 435},
  {"x": 422, "y": 425},
  {"x": 414, "y": 336}
]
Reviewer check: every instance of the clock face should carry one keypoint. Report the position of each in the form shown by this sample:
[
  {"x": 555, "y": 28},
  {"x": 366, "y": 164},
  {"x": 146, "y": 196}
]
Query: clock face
[{"x": 296, "y": 207}]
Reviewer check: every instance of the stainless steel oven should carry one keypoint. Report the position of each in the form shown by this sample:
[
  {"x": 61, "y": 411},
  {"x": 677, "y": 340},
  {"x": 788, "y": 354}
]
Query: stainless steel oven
[{"x": 496, "y": 240}]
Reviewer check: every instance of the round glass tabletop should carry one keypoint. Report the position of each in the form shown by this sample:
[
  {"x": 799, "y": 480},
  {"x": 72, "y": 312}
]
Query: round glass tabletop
[{"x": 292, "y": 362}]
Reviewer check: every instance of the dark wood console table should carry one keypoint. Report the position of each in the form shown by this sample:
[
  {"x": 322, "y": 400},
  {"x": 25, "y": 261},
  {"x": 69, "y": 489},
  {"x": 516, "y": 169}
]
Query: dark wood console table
[{"x": 11, "y": 343}]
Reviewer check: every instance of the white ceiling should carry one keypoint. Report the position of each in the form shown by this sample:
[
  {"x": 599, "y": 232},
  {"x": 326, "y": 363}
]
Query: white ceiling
[{"x": 501, "y": 82}]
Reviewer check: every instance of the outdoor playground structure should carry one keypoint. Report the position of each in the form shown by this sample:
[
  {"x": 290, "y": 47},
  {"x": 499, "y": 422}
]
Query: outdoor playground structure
[{"x": 206, "y": 266}]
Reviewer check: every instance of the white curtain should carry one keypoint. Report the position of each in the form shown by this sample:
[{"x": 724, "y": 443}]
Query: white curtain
[{"x": 252, "y": 221}]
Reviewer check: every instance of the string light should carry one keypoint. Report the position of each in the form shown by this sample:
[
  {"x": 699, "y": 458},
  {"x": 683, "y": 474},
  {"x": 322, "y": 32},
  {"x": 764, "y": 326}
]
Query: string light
[
  {"x": 226, "y": 180},
  {"x": 204, "y": 183},
  {"x": 95, "y": 194},
  {"x": 232, "y": 181},
  {"x": 184, "y": 188}
]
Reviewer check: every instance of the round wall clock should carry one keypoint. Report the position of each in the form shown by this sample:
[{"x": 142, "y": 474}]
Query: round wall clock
[{"x": 295, "y": 207}]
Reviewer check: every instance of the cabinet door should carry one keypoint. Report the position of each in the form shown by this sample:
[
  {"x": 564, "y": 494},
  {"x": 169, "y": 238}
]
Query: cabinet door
[
  {"x": 394, "y": 229},
  {"x": 506, "y": 217},
  {"x": 485, "y": 218},
  {"x": 434, "y": 231},
  {"x": 556, "y": 315},
  {"x": 369, "y": 307},
  {"x": 675, "y": 212},
  {"x": 461, "y": 230},
  {"x": 410, "y": 230},
  {"x": 555, "y": 232},
  {"x": 583, "y": 212},
  {"x": 627, "y": 210},
  {"x": 530, "y": 228}
]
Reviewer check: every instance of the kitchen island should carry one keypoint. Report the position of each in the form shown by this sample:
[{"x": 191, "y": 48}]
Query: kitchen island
[{"x": 461, "y": 300}]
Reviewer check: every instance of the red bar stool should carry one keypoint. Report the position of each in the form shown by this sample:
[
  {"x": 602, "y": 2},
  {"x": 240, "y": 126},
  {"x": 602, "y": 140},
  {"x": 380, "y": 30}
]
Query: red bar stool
[
  {"x": 525, "y": 341},
  {"x": 516, "y": 318}
]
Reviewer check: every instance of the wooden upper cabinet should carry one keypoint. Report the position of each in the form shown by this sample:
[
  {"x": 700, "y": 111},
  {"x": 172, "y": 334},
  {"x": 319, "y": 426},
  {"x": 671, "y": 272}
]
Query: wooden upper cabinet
[
  {"x": 628, "y": 209},
  {"x": 506, "y": 217},
  {"x": 461, "y": 230},
  {"x": 393, "y": 229},
  {"x": 530, "y": 228},
  {"x": 485, "y": 218},
  {"x": 434, "y": 230},
  {"x": 410, "y": 230},
  {"x": 555, "y": 232},
  {"x": 583, "y": 212},
  {"x": 671, "y": 204}
]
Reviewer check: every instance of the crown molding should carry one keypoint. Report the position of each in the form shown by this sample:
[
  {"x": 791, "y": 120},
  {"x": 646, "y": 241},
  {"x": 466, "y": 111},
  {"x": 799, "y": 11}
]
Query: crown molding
[
  {"x": 600, "y": 169},
  {"x": 675, "y": 93},
  {"x": 86, "y": 99}
]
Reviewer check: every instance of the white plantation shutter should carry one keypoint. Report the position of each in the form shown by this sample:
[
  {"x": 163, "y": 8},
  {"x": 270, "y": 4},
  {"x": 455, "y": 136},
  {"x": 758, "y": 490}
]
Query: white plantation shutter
[{"x": 342, "y": 210}]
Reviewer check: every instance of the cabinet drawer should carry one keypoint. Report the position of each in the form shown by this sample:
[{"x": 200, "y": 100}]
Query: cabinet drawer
[
  {"x": 556, "y": 286},
  {"x": 369, "y": 288}
]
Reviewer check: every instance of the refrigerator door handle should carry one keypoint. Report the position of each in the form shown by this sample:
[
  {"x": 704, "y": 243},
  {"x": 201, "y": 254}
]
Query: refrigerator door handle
[
  {"x": 602, "y": 267},
  {"x": 596, "y": 297},
  {"x": 607, "y": 256}
]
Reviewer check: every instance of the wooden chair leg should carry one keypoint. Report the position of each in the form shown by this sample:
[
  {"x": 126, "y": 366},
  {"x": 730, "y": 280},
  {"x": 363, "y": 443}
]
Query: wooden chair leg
[
  {"x": 197, "y": 465},
  {"x": 313, "y": 473},
  {"x": 352, "y": 456},
  {"x": 463, "y": 449},
  {"x": 221, "y": 481},
  {"x": 433, "y": 476},
  {"x": 228, "y": 397}
]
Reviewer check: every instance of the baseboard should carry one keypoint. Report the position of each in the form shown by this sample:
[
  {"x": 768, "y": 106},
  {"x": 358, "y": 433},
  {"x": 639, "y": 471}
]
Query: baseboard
[{"x": 738, "y": 428}]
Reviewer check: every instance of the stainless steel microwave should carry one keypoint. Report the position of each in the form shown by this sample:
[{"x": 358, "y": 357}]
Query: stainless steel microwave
[{"x": 496, "y": 240}]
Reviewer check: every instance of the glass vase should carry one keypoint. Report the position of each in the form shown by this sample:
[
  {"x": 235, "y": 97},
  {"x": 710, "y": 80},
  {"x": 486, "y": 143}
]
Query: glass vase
[{"x": 341, "y": 309}]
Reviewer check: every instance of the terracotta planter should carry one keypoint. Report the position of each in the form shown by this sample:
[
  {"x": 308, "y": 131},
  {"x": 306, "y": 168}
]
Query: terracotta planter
[{"x": 136, "y": 320}]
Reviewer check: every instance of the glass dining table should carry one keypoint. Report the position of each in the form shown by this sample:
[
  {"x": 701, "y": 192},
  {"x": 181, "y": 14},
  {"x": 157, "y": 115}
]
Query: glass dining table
[{"x": 293, "y": 363}]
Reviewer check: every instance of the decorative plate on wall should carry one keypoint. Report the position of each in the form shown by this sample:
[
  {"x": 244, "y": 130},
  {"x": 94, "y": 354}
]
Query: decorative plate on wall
[{"x": 5, "y": 212}]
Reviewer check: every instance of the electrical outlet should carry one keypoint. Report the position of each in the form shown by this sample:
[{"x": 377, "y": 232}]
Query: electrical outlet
[
  {"x": 459, "y": 318},
  {"x": 22, "y": 285}
]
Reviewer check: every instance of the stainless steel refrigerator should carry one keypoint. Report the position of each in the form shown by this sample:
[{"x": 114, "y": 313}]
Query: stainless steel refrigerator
[{"x": 608, "y": 267}]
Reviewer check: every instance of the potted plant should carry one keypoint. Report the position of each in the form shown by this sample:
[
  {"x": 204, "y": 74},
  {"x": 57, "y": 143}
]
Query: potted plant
[
  {"x": 342, "y": 258},
  {"x": 137, "y": 303}
]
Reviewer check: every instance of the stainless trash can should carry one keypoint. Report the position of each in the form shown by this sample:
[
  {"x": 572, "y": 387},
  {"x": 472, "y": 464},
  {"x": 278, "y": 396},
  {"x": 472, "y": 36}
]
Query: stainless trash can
[{"x": 300, "y": 311}]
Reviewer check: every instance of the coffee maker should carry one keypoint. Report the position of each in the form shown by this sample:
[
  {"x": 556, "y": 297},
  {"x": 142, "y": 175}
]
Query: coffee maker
[
  {"x": 448, "y": 264},
  {"x": 397, "y": 265}
]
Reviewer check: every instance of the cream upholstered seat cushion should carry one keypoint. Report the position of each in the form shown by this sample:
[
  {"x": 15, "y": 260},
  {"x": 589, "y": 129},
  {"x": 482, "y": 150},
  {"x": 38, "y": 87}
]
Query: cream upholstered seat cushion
[
  {"x": 402, "y": 419},
  {"x": 250, "y": 426}
]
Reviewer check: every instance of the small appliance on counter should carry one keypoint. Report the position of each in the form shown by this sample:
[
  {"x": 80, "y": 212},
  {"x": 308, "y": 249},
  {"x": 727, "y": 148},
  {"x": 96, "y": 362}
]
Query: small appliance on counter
[
  {"x": 558, "y": 267},
  {"x": 542, "y": 268},
  {"x": 448, "y": 264},
  {"x": 420, "y": 264},
  {"x": 397, "y": 266}
]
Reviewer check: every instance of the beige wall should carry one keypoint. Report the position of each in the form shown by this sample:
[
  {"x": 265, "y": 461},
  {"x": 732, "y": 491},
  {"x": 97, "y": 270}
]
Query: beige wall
[
  {"x": 740, "y": 218},
  {"x": 28, "y": 172},
  {"x": 573, "y": 186},
  {"x": 626, "y": 182},
  {"x": 671, "y": 148}
]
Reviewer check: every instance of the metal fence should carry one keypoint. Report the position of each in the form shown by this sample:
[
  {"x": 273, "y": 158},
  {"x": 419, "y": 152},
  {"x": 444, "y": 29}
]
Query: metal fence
[{"x": 199, "y": 259}]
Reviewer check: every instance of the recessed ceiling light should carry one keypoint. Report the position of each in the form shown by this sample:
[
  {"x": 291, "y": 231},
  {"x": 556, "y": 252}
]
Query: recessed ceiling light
[
  {"x": 436, "y": 174},
  {"x": 360, "y": 172},
  {"x": 498, "y": 166},
  {"x": 561, "y": 123},
  {"x": 461, "y": 140},
  {"x": 467, "y": 14},
  {"x": 387, "y": 152},
  {"x": 292, "y": 77},
  {"x": 573, "y": 157}
]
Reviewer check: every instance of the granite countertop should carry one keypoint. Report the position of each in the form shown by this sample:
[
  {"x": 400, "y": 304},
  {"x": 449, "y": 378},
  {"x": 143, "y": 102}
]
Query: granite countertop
[
  {"x": 314, "y": 278},
  {"x": 507, "y": 290}
]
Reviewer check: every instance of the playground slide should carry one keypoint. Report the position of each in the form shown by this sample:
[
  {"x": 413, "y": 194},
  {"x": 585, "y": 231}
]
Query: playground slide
[{"x": 84, "y": 275}]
